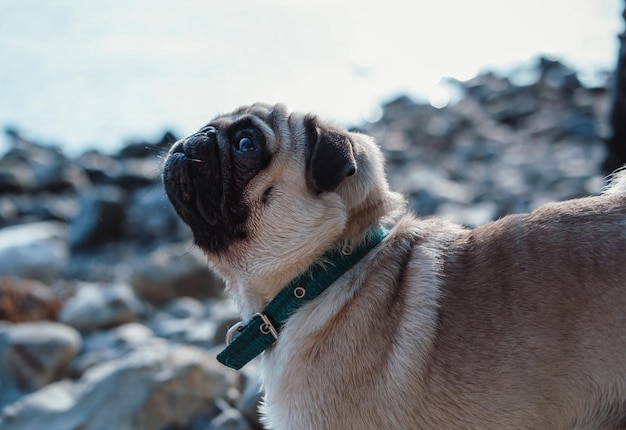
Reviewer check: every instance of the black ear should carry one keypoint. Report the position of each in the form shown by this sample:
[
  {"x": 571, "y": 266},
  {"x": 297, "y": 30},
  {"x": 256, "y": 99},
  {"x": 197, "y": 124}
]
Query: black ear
[{"x": 330, "y": 157}]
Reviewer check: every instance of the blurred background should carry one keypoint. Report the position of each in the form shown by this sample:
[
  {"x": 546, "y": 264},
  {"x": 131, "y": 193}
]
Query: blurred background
[
  {"x": 92, "y": 75},
  {"x": 109, "y": 316}
]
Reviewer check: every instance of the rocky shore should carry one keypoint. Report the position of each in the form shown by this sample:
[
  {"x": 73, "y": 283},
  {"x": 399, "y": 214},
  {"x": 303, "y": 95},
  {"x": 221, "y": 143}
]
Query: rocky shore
[{"x": 109, "y": 318}]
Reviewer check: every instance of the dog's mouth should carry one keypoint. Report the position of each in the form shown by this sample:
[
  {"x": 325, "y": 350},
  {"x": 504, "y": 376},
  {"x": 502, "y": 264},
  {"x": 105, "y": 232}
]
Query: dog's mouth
[
  {"x": 197, "y": 176},
  {"x": 204, "y": 177}
]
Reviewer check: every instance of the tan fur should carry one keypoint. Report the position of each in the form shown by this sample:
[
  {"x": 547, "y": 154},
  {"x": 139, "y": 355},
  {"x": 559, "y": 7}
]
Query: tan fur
[{"x": 517, "y": 324}]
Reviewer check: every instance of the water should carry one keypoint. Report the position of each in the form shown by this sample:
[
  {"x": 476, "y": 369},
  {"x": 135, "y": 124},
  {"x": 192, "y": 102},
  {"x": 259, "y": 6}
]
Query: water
[{"x": 94, "y": 74}]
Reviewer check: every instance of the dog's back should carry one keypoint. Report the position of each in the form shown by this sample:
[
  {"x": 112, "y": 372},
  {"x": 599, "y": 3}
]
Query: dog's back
[{"x": 533, "y": 319}]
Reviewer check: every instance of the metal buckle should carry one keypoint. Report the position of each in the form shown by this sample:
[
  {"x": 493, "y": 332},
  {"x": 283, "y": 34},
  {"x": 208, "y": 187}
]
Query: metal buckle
[
  {"x": 266, "y": 327},
  {"x": 231, "y": 331}
]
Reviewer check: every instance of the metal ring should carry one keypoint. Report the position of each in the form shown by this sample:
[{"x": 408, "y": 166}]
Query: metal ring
[
  {"x": 346, "y": 250},
  {"x": 231, "y": 331},
  {"x": 299, "y": 292},
  {"x": 264, "y": 328}
]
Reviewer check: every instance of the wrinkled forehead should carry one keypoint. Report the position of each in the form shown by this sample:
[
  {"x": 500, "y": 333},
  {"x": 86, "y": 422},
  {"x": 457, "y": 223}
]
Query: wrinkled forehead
[
  {"x": 272, "y": 120},
  {"x": 264, "y": 117}
]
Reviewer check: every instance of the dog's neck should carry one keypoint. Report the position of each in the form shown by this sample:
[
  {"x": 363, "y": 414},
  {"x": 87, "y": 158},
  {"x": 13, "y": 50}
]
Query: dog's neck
[{"x": 262, "y": 330}]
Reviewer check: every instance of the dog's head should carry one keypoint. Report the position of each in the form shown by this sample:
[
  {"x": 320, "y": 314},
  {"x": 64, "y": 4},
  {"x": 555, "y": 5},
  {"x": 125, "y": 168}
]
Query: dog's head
[{"x": 263, "y": 188}]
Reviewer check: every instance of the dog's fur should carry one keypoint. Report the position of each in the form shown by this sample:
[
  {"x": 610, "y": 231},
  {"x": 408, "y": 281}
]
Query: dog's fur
[{"x": 517, "y": 324}]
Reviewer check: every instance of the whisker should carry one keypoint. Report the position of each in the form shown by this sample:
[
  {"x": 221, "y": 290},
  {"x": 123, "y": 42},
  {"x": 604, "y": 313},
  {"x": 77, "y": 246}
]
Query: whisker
[{"x": 195, "y": 160}]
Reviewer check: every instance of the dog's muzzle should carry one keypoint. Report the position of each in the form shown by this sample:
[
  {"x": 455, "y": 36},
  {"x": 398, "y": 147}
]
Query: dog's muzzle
[{"x": 197, "y": 178}]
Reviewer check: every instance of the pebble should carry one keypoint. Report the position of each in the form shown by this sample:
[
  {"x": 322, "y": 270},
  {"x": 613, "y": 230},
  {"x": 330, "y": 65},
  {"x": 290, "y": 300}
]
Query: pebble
[
  {"x": 24, "y": 300},
  {"x": 147, "y": 389},
  {"x": 33, "y": 354},
  {"x": 175, "y": 271},
  {"x": 96, "y": 307},
  {"x": 35, "y": 250}
]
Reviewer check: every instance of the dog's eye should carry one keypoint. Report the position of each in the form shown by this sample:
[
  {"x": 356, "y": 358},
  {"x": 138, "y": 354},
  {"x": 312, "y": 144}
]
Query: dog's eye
[{"x": 245, "y": 144}]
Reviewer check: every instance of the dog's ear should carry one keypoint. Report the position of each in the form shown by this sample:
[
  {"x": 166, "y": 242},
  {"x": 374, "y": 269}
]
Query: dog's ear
[{"x": 330, "y": 157}]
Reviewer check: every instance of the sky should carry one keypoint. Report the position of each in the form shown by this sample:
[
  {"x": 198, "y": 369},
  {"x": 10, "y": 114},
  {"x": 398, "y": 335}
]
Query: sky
[{"x": 97, "y": 74}]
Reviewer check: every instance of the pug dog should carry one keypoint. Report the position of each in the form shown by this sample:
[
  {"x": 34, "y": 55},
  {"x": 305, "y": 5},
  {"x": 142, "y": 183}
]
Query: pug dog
[{"x": 372, "y": 318}]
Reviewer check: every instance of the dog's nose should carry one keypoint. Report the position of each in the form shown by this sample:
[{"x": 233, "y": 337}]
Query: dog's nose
[
  {"x": 192, "y": 143},
  {"x": 199, "y": 145},
  {"x": 209, "y": 130}
]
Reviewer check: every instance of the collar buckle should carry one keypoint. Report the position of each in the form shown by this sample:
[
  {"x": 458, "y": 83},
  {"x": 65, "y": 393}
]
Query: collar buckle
[
  {"x": 230, "y": 334},
  {"x": 266, "y": 327}
]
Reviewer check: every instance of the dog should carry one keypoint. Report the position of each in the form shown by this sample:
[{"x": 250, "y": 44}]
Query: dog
[{"x": 422, "y": 324}]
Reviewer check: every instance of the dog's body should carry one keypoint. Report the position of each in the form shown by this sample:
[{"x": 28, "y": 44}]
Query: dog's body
[{"x": 517, "y": 324}]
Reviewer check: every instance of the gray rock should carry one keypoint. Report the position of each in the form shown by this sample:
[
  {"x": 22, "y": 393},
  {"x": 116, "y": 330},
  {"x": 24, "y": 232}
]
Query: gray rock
[
  {"x": 174, "y": 271},
  {"x": 35, "y": 251},
  {"x": 148, "y": 389},
  {"x": 95, "y": 306},
  {"x": 34, "y": 354},
  {"x": 111, "y": 344},
  {"x": 198, "y": 332},
  {"x": 185, "y": 307},
  {"x": 151, "y": 216},
  {"x": 16, "y": 176},
  {"x": 102, "y": 218},
  {"x": 101, "y": 168}
]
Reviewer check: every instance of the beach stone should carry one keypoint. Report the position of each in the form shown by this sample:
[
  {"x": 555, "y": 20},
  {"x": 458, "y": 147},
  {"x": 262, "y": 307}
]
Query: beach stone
[
  {"x": 23, "y": 300},
  {"x": 95, "y": 306},
  {"x": 174, "y": 271},
  {"x": 34, "y": 354},
  {"x": 139, "y": 172},
  {"x": 101, "y": 168},
  {"x": 34, "y": 250},
  {"x": 185, "y": 307},
  {"x": 151, "y": 217},
  {"x": 16, "y": 176},
  {"x": 61, "y": 175},
  {"x": 192, "y": 331},
  {"x": 101, "y": 219},
  {"x": 148, "y": 389},
  {"x": 110, "y": 344},
  {"x": 146, "y": 149}
]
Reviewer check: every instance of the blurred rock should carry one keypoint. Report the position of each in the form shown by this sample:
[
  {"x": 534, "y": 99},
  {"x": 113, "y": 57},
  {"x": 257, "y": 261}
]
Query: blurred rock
[
  {"x": 138, "y": 172},
  {"x": 101, "y": 219},
  {"x": 16, "y": 176},
  {"x": 148, "y": 389},
  {"x": 175, "y": 271},
  {"x": 96, "y": 307},
  {"x": 151, "y": 217},
  {"x": 110, "y": 344},
  {"x": 187, "y": 320},
  {"x": 145, "y": 149},
  {"x": 23, "y": 300},
  {"x": 36, "y": 353},
  {"x": 36, "y": 251},
  {"x": 32, "y": 167},
  {"x": 185, "y": 307},
  {"x": 101, "y": 168}
]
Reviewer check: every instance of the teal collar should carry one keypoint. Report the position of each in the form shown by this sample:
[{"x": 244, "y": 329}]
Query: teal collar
[{"x": 263, "y": 329}]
